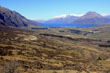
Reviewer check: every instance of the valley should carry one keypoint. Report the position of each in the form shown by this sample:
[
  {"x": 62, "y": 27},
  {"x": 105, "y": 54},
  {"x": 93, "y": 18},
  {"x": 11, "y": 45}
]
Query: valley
[
  {"x": 69, "y": 50},
  {"x": 26, "y": 46}
]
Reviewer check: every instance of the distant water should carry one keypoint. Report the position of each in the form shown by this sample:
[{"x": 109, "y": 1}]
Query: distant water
[{"x": 70, "y": 25}]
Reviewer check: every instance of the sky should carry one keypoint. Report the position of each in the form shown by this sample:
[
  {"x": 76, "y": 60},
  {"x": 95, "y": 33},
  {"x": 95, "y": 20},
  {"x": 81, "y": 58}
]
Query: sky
[{"x": 46, "y": 9}]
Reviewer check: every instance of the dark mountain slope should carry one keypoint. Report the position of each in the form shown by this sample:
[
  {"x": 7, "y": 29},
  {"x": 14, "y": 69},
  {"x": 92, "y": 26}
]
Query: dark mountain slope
[{"x": 12, "y": 18}]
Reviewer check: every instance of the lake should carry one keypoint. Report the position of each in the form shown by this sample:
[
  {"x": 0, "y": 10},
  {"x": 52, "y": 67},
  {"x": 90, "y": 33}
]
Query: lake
[{"x": 70, "y": 25}]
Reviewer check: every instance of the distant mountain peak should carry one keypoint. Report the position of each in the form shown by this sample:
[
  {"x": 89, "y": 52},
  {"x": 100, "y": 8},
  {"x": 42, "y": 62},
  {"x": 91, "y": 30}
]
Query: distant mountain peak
[{"x": 91, "y": 14}]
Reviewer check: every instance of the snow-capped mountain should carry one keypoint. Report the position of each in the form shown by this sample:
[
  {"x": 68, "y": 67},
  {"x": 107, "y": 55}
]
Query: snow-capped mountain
[
  {"x": 88, "y": 18},
  {"x": 62, "y": 19},
  {"x": 92, "y": 18}
]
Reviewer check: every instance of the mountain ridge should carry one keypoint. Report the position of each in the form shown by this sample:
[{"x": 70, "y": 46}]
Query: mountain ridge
[
  {"x": 13, "y": 18},
  {"x": 62, "y": 20},
  {"x": 88, "y": 18}
]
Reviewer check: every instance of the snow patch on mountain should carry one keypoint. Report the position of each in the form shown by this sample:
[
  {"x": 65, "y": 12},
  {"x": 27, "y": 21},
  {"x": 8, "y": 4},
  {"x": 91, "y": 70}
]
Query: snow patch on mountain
[{"x": 65, "y": 15}]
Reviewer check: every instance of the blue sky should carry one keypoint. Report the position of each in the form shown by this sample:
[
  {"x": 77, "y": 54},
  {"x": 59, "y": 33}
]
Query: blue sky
[{"x": 46, "y": 9}]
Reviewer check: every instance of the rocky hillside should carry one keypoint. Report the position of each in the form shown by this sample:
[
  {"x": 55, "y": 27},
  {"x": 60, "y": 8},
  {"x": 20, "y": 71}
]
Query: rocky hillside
[{"x": 12, "y": 18}]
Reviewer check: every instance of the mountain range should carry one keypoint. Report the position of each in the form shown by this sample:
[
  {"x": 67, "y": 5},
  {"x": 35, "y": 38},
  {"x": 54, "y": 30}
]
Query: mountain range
[
  {"x": 13, "y": 18},
  {"x": 66, "y": 19},
  {"x": 88, "y": 18}
]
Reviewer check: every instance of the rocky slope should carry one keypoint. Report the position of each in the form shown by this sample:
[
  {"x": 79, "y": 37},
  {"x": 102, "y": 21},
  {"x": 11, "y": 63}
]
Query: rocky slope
[{"x": 12, "y": 18}]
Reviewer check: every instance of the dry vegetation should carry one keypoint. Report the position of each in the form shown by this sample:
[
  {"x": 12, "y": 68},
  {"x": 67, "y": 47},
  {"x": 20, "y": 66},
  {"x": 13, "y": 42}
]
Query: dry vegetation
[{"x": 38, "y": 51}]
